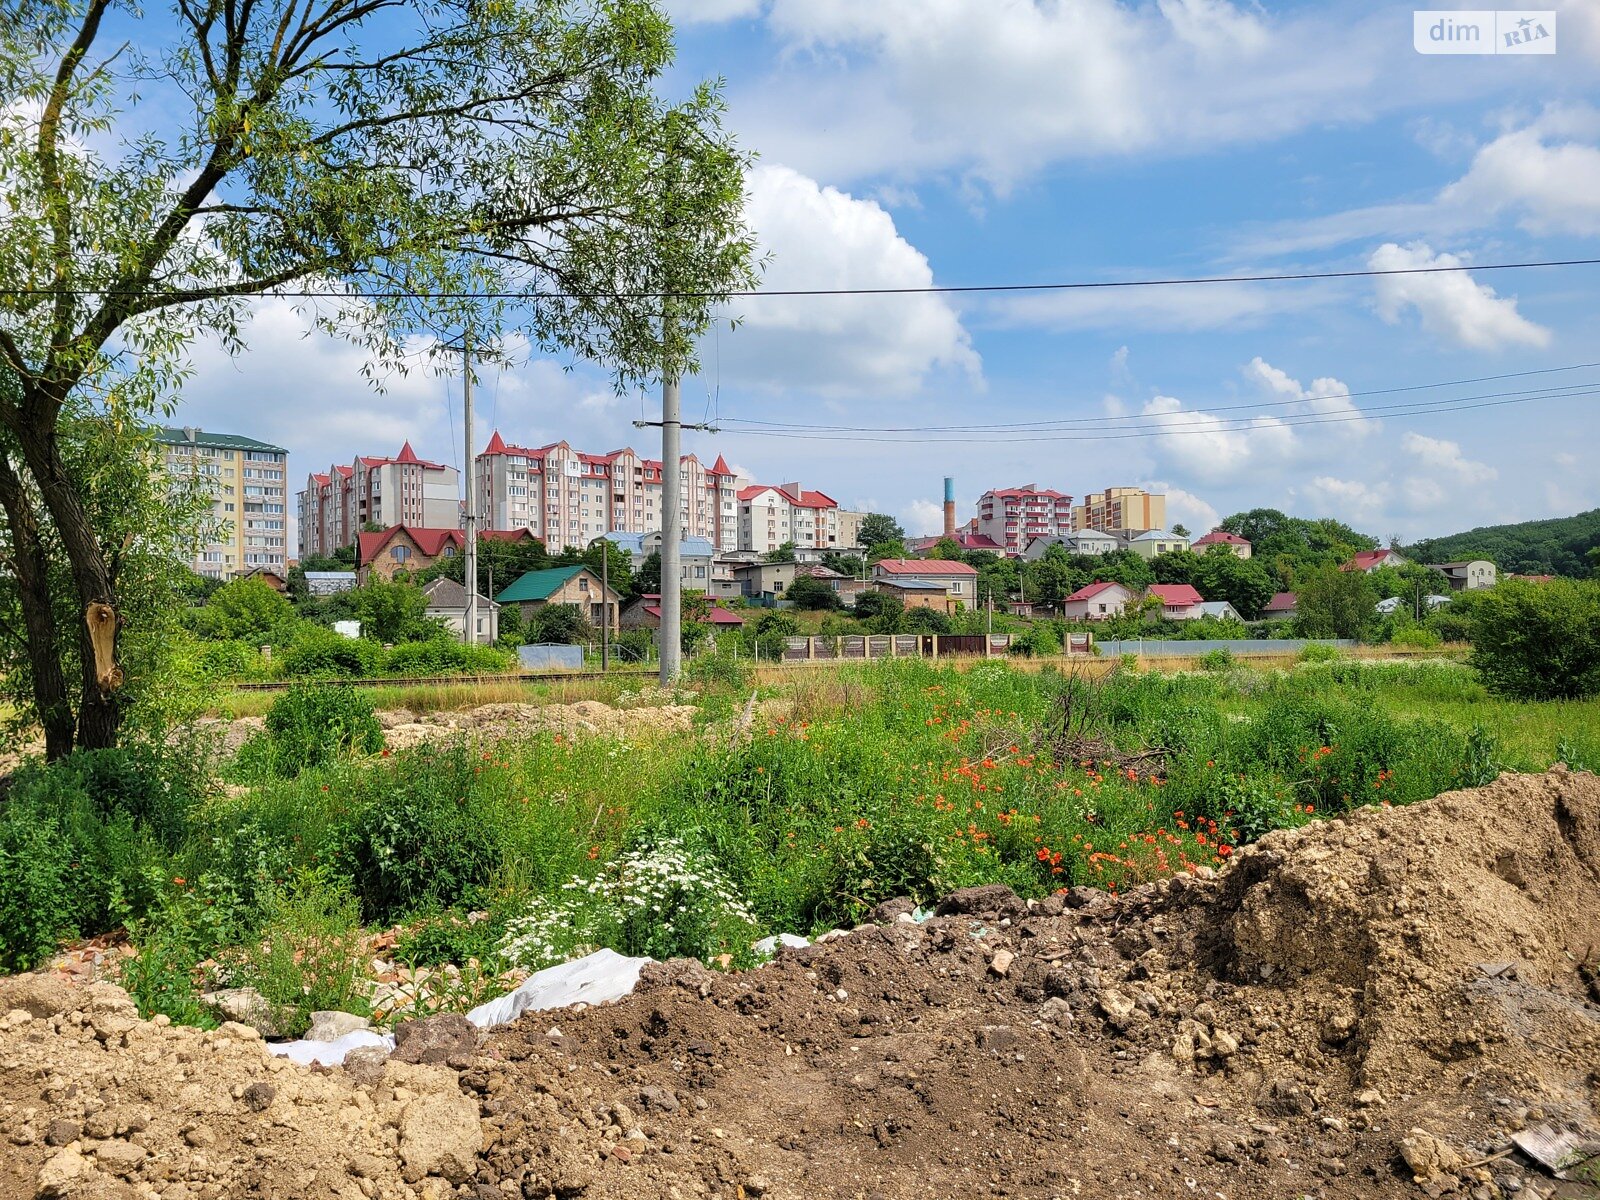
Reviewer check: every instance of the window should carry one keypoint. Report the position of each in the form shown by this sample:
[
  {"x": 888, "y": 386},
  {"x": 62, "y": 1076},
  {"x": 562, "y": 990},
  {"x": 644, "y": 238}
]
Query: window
[
  {"x": 399, "y": 553},
  {"x": 449, "y": 552}
]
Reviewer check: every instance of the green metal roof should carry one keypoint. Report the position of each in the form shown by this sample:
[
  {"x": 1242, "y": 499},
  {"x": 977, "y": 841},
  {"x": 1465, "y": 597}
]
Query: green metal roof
[
  {"x": 538, "y": 585},
  {"x": 215, "y": 441}
]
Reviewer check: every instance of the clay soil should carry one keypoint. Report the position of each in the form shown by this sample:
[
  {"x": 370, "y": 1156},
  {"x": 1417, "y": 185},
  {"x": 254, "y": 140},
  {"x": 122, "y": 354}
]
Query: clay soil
[{"x": 1364, "y": 1007}]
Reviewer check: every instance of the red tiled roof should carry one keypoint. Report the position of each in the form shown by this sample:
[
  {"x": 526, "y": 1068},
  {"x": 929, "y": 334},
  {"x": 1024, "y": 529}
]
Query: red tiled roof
[
  {"x": 1090, "y": 590},
  {"x": 497, "y": 444},
  {"x": 924, "y": 566},
  {"x": 345, "y": 471},
  {"x": 1010, "y": 493},
  {"x": 804, "y": 500},
  {"x": 1281, "y": 602},
  {"x": 1175, "y": 595},
  {"x": 1365, "y": 559},
  {"x": 717, "y": 616},
  {"x": 1220, "y": 537},
  {"x": 721, "y": 467},
  {"x": 966, "y": 540},
  {"x": 429, "y": 541}
]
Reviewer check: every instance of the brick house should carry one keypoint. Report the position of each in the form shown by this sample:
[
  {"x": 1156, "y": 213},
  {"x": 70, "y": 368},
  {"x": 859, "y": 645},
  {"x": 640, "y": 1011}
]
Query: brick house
[
  {"x": 959, "y": 581},
  {"x": 578, "y": 586},
  {"x": 411, "y": 548}
]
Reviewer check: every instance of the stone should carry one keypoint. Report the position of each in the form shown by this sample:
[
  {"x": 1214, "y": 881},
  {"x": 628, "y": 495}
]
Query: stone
[
  {"x": 1000, "y": 964},
  {"x": 1427, "y": 1156},
  {"x": 120, "y": 1157},
  {"x": 1117, "y": 1008},
  {"x": 989, "y": 900},
  {"x": 62, "y": 1174},
  {"x": 440, "y": 1135},
  {"x": 756, "y": 1185},
  {"x": 1223, "y": 1043},
  {"x": 891, "y": 910},
  {"x": 445, "y": 1038},
  {"x": 258, "y": 1097},
  {"x": 199, "y": 1137},
  {"x": 330, "y": 1026},
  {"x": 365, "y": 1064},
  {"x": 101, "y": 1125},
  {"x": 655, "y": 1098},
  {"x": 1056, "y": 1010},
  {"x": 62, "y": 1132},
  {"x": 1368, "y": 1097},
  {"x": 246, "y": 1006}
]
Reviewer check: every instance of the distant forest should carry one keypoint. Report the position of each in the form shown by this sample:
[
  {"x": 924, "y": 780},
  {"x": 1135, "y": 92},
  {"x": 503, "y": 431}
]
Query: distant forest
[{"x": 1559, "y": 546}]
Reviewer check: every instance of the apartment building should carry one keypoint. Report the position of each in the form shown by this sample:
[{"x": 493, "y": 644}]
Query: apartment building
[
  {"x": 771, "y": 515},
  {"x": 248, "y": 482},
  {"x": 849, "y": 525},
  {"x": 404, "y": 490},
  {"x": 1120, "y": 509},
  {"x": 1013, "y": 517},
  {"x": 568, "y": 497}
]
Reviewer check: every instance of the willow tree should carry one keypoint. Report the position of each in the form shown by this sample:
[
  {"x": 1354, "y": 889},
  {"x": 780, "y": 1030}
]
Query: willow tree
[{"x": 403, "y": 168}]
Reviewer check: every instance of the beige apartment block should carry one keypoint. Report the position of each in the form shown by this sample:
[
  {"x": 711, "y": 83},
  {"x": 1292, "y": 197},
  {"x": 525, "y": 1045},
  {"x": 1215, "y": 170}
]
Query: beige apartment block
[
  {"x": 1120, "y": 509},
  {"x": 247, "y": 480}
]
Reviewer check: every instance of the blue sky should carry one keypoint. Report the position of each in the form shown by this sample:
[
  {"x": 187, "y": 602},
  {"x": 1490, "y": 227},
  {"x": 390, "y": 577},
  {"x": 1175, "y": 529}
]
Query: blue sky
[{"x": 907, "y": 142}]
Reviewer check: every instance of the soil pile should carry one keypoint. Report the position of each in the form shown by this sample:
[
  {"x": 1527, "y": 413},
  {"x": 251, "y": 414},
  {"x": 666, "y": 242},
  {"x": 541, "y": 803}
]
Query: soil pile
[{"x": 1365, "y": 1007}]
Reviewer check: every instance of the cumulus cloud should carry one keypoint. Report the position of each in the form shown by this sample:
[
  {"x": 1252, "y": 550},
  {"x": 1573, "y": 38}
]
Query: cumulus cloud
[
  {"x": 1353, "y": 500},
  {"x": 1327, "y": 398},
  {"x": 922, "y": 518},
  {"x": 844, "y": 345},
  {"x": 869, "y": 88},
  {"x": 695, "y": 12},
  {"x": 1208, "y": 447},
  {"x": 1450, "y": 305},
  {"x": 1186, "y": 309},
  {"x": 1440, "y": 457},
  {"x": 1185, "y": 508}
]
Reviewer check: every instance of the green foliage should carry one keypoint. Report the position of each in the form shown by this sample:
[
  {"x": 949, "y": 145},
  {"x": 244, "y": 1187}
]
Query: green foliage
[
  {"x": 1217, "y": 660},
  {"x": 318, "y": 653},
  {"x": 720, "y": 670},
  {"x": 560, "y": 625},
  {"x": 812, "y": 594},
  {"x": 248, "y": 610},
  {"x": 309, "y": 726},
  {"x": 445, "y": 656},
  {"x": 1415, "y": 637},
  {"x": 1539, "y": 641},
  {"x": 418, "y": 835},
  {"x": 1558, "y": 546},
  {"x": 634, "y": 645},
  {"x": 1220, "y": 574},
  {"x": 925, "y": 620},
  {"x": 1318, "y": 653},
  {"x": 392, "y": 611},
  {"x": 1330, "y": 603},
  {"x": 781, "y": 554},
  {"x": 878, "y": 528}
]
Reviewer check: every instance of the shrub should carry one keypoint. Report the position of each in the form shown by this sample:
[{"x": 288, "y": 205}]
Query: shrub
[
  {"x": 446, "y": 656},
  {"x": 37, "y": 888},
  {"x": 1415, "y": 637},
  {"x": 1539, "y": 641},
  {"x": 717, "y": 670},
  {"x": 1316, "y": 652},
  {"x": 1220, "y": 659},
  {"x": 318, "y": 652},
  {"x": 418, "y": 837},
  {"x": 308, "y": 726}
]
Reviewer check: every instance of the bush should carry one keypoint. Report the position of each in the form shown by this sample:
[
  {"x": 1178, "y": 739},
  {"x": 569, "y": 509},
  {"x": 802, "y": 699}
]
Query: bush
[
  {"x": 1220, "y": 659},
  {"x": 1415, "y": 637},
  {"x": 445, "y": 656},
  {"x": 418, "y": 837},
  {"x": 309, "y": 726},
  {"x": 1539, "y": 641},
  {"x": 718, "y": 670},
  {"x": 317, "y": 652},
  {"x": 1316, "y": 652}
]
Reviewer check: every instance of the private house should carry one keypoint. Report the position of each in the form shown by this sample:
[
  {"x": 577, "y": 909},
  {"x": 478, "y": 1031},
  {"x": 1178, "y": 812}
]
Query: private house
[
  {"x": 1097, "y": 602},
  {"x": 1179, "y": 601},
  {"x": 695, "y": 555},
  {"x": 411, "y": 548},
  {"x": 447, "y": 603},
  {"x": 1221, "y": 537},
  {"x": 1468, "y": 575},
  {"x": 271, "y": 578},
  {"x": 959, "y": 580},
  {"x": 1084, "y": 541},
  {"x": 1370, "y": 560},
  {"x": 1156, "y": 541},
  {"x": 763, "y": 582},
  {"x": 1217, "y": 610},
  {"x": 918, "y": 593},
  {"x": 578, "y": 586},
  {"x": 965, "y": 538},
  {"x": 645, "y": 613},
  {"x": 1279, "y": 608}
]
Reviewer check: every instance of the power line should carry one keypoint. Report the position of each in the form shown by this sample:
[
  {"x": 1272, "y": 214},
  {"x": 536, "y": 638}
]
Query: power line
[
  {"x": 757, "y": 293},
  {"x": 1166, "y": 430},
  {"x": 1071, "y": 422}
]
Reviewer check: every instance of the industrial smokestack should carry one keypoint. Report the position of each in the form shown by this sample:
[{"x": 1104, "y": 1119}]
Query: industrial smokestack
[{"x": 949, "y": 507}]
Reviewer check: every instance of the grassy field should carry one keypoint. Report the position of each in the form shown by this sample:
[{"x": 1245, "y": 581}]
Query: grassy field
[{"x": 845, "y": 786}]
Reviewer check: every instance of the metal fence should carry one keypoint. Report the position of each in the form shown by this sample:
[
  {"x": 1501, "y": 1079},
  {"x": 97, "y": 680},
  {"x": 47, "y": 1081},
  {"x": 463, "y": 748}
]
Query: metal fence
[{"x": 1243, "y": 647}]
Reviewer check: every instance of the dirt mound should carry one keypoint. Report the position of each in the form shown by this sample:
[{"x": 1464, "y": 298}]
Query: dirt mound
[
  {"x": 1366, "y": 1007},
  {"x": 494, "y": 722}
]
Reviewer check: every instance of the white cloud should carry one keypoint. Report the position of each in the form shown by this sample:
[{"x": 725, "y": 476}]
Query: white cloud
[
  {"x": 1211, "y": 448},
  {"x": 1352, "y": 500},
  {"x": 922, "y": 518},
  {"x": 1327, "y": 398},
  {"x": 1451, "y": 305},
  {"x": 1440, "y": 457},
  {"x": 999, "y": 88},
  {"x": 821, "y": 237},
  {"x": 1185, "y": 508}
]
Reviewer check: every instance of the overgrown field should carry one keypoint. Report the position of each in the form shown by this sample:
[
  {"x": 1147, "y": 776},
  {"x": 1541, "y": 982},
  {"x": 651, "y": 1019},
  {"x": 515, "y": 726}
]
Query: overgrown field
[{"x": 796, "y": 814}]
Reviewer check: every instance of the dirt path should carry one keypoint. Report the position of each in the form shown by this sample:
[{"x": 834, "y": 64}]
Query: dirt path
[{"x": 1362, "y": 1008}]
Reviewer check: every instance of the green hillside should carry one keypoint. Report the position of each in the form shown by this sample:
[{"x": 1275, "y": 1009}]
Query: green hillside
[{"x": 1559, "y": 546}]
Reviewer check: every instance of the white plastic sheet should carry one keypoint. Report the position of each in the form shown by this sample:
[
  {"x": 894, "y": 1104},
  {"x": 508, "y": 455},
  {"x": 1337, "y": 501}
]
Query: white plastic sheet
[
  {"x": 329, "y": 1054},
  {"x": 593, "y": 979}
]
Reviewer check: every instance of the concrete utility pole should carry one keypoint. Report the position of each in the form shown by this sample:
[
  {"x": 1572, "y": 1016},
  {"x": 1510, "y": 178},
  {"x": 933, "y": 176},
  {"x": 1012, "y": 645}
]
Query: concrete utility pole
[
  {"x": 470, "y": 575},
  {"x": 671, "y": 529}
]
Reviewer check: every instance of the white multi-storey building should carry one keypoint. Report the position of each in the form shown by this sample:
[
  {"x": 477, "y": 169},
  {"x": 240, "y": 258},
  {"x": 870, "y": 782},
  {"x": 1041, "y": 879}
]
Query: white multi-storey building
[
  {"x": 771, "y": 515},
  {"x": 403, "y": 490},
  {"x": 568, "y": 498}
]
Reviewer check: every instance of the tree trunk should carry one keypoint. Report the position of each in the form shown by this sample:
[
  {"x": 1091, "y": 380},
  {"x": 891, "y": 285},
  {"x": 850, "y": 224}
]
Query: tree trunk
[
  {"x": 30, "y": 564},
  {"x": 99, "y": 707}
]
